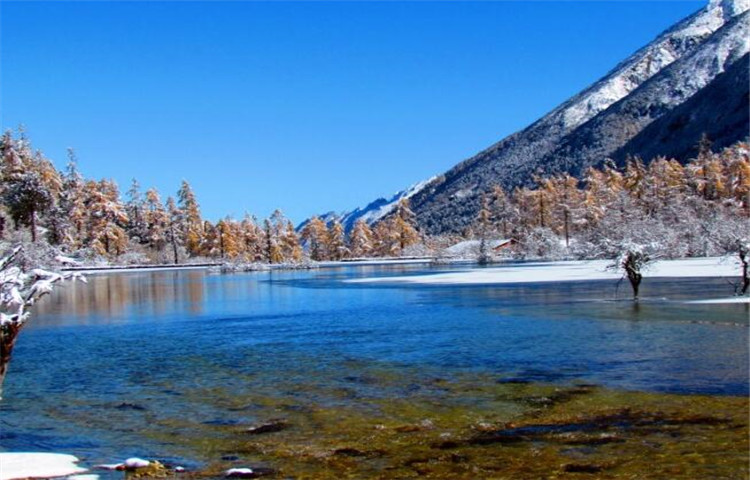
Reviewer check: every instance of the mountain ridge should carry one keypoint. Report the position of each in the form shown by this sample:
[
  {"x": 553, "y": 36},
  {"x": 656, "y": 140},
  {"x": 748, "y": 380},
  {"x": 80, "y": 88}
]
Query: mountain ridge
[{"x": 595, "y": 123}]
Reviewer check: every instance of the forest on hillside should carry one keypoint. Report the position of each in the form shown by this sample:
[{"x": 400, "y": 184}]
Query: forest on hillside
[{"x": 677, "y": 210}]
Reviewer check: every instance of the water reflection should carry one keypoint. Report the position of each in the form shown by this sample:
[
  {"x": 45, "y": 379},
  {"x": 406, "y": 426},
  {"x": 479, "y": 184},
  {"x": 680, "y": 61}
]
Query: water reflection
[{"x": 116, "y": 298}]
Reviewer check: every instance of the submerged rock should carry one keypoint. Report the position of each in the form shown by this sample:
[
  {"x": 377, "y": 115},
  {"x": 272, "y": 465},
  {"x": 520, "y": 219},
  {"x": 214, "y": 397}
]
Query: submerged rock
[
  {"x": 582, "y": 468},
  {"x": 349, "y": 452},
  {"x": 272, "y": 426},
  {"x": 130, "y": 406}
]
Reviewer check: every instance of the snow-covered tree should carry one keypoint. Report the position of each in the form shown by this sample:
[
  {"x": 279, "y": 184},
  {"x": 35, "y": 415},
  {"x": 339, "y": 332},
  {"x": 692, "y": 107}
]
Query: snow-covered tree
[
  {"x": 360, "y": 239},
  {"x": 386, "y": 241},
  {"x": 107, "y": 217},
  {"x": 503, "y": 212},
  {"x": 72, "y": 205},
  {"x": 290, "y": 244},
  {"x": 155, "y": 220},
  {"x": 174, "y": 237},
  {"x": 273, "y": 249},
  {"x": 567, "y": 205},
  {"x": 27, "y": 196},
  {"x": 252, "y": 239},
  {"x": 192, "y": 224},
  {"x": 404, "y": 225},
  {"x": 484, "y": 226},
  {"x": 19, "y": 290},
  {"x": 743, "y": 252},
  {"x": 738, "y": 176},
  {"x": 336, "y": 242},
  {"x": 633, "y": 260},
  {"x": 228, "y": 240},
  {"x": 137, "y": 227},
  {"x": 315, "y": 235}
]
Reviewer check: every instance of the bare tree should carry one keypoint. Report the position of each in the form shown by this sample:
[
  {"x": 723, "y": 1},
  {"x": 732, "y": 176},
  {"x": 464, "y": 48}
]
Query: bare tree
[
  {"x": 633, "y": 261},
  {"x": 743, "y": 252},
  {"x": 19, "y": 290}
]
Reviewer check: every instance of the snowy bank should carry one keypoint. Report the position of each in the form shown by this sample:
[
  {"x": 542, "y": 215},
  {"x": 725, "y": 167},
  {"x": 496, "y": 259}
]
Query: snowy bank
[
  {"x": 15, "y": 465},
  {"x": 723, "y": 300},
  {"x": 567, "y": 271}
]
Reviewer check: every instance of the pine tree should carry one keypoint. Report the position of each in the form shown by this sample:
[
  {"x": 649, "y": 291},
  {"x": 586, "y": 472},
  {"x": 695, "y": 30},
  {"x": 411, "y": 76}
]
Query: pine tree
[
  {"x": 484, "y": 221},
  {"x": 273, "y": 250},
  {"x": 192, "y": 224},
  {"x": 107, "y": 217},
  {"x": 633, "y": 179},
  {"x": 252, "y": 239},
  {"x": 567, "y": 202},
  {"x": 290, "y": 245},
  {"x": 336, "y": 242},
  {"x": 71, "y": 210},
  {"x": 15, "y": 157},
  {"x": 405, "y": 225},
  {"x": 502, "y": 211},
  {"x": 386, "y": 239},
  {"x": 174, "y": 237},
  {"x": 210, "y": 245},
  {"x": 738, "y": 176},
  {"x": 315, "y": 235},
  {"x": 26, "y": 196},
  {"x": 228, "y": 245},
  {"x": 48, "y": 174},
  {"x": 137, "y": 227},
  {"x": 360, "y": 240},
  {"x": 155, "y": 219}
]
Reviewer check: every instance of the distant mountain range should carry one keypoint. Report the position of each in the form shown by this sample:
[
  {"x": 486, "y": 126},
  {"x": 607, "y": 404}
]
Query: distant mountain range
[{"x": 692, "y": 79}]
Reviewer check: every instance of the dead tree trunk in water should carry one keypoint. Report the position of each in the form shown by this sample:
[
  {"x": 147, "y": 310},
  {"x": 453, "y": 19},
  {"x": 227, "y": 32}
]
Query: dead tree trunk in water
[
  {"x": 633, "y": 260},
  {"x": 744, "y": 254}
]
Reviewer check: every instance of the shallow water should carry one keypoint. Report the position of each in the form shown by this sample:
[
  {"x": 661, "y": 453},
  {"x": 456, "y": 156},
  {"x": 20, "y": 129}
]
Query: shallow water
[{"x": 157, "y": 363}]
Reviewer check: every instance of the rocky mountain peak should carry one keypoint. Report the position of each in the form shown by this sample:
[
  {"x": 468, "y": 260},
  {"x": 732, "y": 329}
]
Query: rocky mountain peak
[{"x": 729, "y": 8}]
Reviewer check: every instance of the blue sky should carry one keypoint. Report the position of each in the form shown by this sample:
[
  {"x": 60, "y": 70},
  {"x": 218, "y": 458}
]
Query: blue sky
[{"x": 307, "y": 107}]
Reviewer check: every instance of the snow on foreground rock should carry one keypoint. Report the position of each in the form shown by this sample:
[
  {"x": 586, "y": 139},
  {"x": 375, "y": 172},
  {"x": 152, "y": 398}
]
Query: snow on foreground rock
[
  {"x": 567, "y": 271},
  {"x": 16, "y": 465}
]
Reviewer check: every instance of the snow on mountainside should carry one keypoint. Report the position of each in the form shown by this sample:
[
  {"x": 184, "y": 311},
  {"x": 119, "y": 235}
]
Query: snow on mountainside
[
  {"x": 598, "y": 138},
  {"x": 374, "y": 211},
  {"x": 597, "y": 122},
  {"x": 723, "y": 118},
  {"x": 558, "y": 141}
]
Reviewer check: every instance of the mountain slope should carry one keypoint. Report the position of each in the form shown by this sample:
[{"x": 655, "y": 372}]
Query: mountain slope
[
  {"x": 599, "y": 120},
  {"x": 598, "y": 138},
  {"x": 374, "y": 210},
  {"x": 714, "y": 111}
]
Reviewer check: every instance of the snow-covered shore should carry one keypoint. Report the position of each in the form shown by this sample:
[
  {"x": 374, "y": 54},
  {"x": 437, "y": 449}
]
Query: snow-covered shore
[
  {"x": 15, "y": 465},
  {"x": 567, "y": 271}
]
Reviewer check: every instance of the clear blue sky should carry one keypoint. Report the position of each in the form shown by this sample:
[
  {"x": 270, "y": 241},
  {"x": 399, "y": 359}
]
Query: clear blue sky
[{"x": 308, "y": 107}]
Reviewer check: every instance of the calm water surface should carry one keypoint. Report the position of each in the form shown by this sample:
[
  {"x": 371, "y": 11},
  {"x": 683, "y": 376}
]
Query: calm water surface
[{"x": 101, "y": 362}]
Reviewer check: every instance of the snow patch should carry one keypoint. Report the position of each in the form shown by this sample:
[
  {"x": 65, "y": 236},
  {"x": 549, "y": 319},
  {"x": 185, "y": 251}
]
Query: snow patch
[
  {"x": 17, "y": 465},
  {"x": 566, "y": 271},
  {"x": 723, "y": 300},
  {"x": 136, "y": 462}
]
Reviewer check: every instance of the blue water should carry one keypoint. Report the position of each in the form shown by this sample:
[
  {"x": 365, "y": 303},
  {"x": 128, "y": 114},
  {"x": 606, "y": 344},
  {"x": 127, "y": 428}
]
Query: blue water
[{"x": 100, "y": 363}]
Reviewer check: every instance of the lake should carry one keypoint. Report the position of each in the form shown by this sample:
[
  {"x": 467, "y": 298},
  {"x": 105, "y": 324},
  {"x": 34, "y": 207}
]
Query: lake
[{"x": 173, "y": 364}]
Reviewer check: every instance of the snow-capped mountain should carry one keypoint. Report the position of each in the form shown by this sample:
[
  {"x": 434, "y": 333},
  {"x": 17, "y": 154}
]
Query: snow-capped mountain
[
  {"x": 683, "y": 67},
  {"x": 374, "y": 211},
  {"x": 600, "y": 120}
]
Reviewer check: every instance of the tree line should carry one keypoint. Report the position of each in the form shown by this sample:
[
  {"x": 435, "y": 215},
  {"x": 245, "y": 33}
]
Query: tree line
[
  {"x": 695, "y": 209},
  {"x": 679, "y": 210},
  {"x": 88, "y": 218}
]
